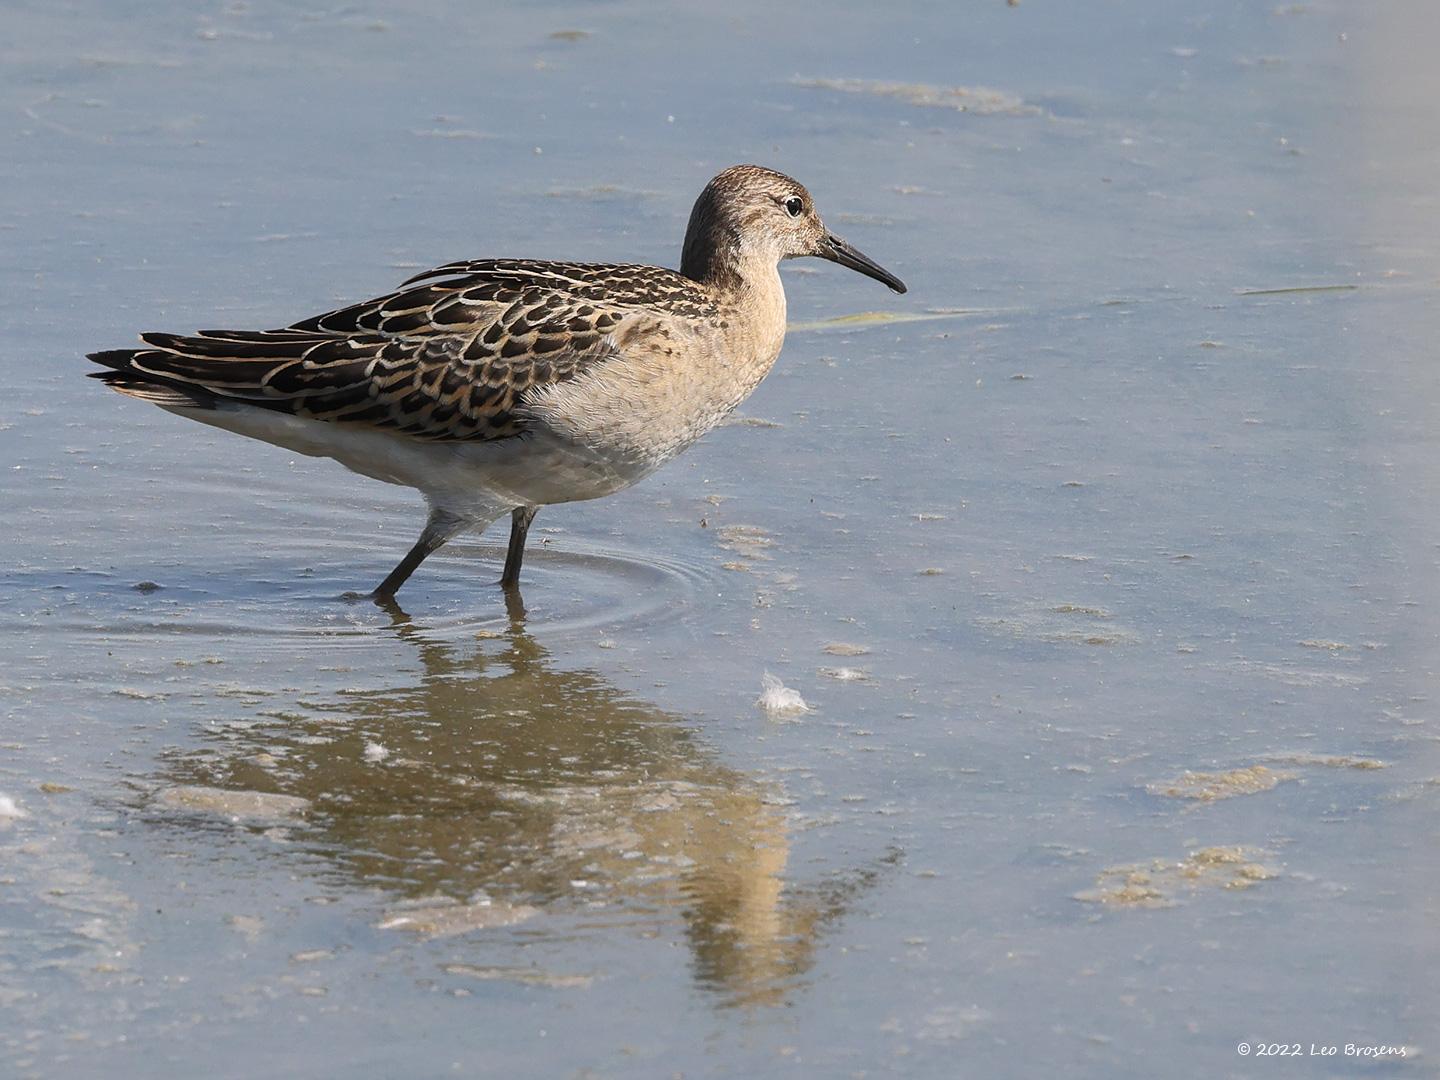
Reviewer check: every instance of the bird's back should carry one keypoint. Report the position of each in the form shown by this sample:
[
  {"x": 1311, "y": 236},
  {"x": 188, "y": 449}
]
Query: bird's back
[{"x": 450, "y": 355}]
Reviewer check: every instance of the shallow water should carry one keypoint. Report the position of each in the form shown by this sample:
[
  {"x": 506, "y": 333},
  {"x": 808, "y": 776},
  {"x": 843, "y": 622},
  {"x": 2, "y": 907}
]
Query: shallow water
[{"x": 1104, "y": 559}]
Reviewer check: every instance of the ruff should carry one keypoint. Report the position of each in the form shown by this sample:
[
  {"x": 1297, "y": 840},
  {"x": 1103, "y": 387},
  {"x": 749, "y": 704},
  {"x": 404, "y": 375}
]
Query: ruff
[{"x": 504, "y": 385}]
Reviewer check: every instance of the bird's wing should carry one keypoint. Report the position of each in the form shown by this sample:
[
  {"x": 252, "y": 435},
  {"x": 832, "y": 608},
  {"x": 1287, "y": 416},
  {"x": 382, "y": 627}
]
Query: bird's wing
[{"x": 445, "y": 360}]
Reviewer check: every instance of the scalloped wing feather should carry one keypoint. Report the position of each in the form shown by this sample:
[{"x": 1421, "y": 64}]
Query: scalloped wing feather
[{"x": 446, "y": 360}]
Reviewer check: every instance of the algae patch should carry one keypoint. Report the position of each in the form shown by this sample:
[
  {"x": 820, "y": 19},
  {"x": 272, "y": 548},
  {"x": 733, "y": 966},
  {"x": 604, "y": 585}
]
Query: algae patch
[
  {"x": 1063, "y": 624},
  {"x": 443, "y": 916},
  {"x": 522, "y": 975},
  {"x": 862, "y": 319},
  {"x": 747, "y": 541},
  {"x": 238, "y": 807},
  {"x": 1210, "y": 787},
  {"x": 1331, "y": 761},
  {"x": 980, "y": 100},
  {"x": 1297, "y": 289},
  {"x": 1159, "y": 884}
]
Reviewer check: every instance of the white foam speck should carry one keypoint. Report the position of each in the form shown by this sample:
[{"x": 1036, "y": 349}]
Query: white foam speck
[
  {"x": 777, "y": 699},
  {"x": 9, "y": 808},
  {"x": 375, "y": 753},
  {"x": 845, "y": 674}
]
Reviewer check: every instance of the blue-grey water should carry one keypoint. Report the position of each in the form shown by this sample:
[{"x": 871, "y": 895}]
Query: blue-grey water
[{"x": 1106, "y": 558}]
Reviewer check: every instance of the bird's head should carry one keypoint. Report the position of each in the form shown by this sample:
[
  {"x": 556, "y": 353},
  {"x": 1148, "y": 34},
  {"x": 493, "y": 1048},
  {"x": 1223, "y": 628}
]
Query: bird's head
[{"x": 758, "y": 213}]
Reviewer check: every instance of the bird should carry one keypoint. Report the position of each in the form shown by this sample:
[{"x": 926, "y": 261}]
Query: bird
[{"x": 497, "y": 386}]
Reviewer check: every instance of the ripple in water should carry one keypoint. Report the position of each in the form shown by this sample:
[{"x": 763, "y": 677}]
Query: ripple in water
[{"x": 565, "y": 591}]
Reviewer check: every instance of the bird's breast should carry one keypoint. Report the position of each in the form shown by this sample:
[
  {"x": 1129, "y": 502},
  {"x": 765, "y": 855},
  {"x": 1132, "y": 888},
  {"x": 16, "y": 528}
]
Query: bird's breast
[{"x": 667, "y": 385}]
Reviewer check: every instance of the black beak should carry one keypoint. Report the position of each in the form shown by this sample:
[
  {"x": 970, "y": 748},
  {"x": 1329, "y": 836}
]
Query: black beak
[{"x": 838, "y": 251}]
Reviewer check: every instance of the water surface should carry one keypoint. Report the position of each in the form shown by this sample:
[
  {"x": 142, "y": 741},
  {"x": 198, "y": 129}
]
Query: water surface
[{"x": 1104, "y": 558}]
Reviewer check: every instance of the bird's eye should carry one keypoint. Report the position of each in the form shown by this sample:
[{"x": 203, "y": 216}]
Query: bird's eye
[{"x": 793, "y": 206}]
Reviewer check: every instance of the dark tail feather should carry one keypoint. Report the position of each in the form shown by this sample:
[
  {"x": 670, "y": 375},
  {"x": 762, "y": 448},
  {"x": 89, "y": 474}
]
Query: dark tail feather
[
  {"x": 119, "y": 359},
  {"x": 136, "y": 384}
]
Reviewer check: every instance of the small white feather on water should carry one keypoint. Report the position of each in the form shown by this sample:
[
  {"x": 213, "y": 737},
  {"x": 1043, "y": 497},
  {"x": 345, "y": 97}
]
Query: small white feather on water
[
  {"x": 375, "y": 753},
  {"x": 777, "y": 699}
]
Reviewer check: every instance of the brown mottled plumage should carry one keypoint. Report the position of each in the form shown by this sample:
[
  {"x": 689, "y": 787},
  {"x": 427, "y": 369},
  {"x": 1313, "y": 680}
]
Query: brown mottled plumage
[
  {"x": 507, "y": 384},
  {"x": 447, "y": 360}
]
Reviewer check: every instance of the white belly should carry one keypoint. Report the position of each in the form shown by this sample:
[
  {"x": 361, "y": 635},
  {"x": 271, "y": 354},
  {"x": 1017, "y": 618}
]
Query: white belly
[{"x": 477, "y": 481}]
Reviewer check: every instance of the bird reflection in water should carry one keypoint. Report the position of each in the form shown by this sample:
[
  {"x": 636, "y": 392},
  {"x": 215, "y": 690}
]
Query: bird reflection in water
[{"x": 541, "y": 789}]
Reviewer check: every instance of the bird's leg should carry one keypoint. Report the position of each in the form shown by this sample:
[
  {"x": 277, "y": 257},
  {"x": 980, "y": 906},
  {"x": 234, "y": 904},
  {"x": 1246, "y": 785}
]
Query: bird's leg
[
  {"x": 520, "y": 521},
  {"x": 440, "y": 528}
]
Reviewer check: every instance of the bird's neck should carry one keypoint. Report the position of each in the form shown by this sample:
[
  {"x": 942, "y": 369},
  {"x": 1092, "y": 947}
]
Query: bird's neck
[
  {"x": 749, "y": 293},
  {"x": 759, "y": 298},
  {"x": 723, "y": 256},
  {"x": 743, "y": 281}
]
